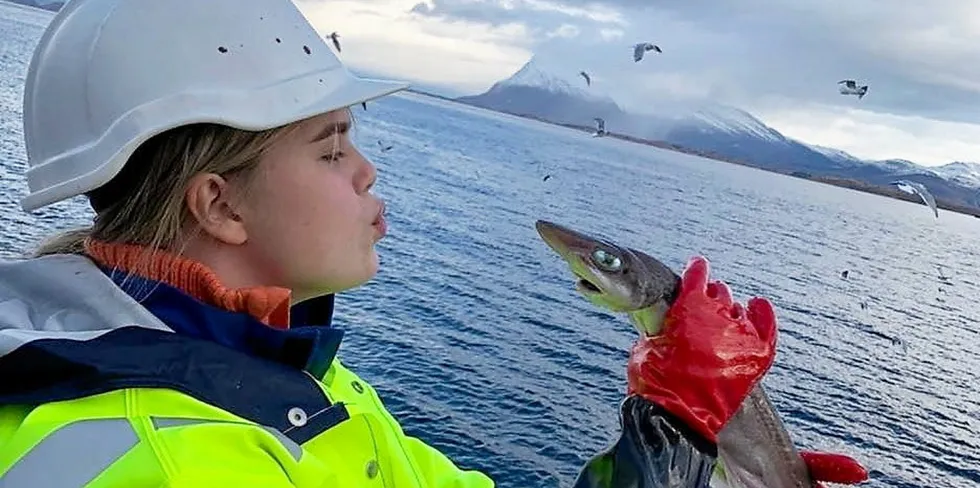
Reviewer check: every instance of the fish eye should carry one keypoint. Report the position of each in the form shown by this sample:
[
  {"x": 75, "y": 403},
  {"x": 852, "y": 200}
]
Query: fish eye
[{"x": 607, "y": 261}]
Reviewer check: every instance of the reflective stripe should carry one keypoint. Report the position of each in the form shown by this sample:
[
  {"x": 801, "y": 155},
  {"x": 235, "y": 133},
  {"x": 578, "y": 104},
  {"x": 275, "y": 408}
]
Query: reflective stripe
[
  {"x": 166, "y": 422},
  {"x": 73, "y": 455}
]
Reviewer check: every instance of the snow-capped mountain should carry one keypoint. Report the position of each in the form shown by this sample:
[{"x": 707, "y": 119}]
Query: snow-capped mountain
[
  {"x": 549, "y": 93},
  {"x": 536, "y": 74},
  {"x": 736, "y": 121},
  {"x": 552, "y": 94},
  {"x": 835, "y": 154},
  {"x": 966, "y": 173},
  {"x": 892, "y": 166},
  {"x": 534, "y": 91}
]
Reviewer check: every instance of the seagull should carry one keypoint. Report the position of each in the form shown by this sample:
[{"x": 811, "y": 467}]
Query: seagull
[
  {"x": 942, "y": 276},
  {"x": 641, "y": 48},
  {"x": 849, "y": 87},
  {"x": 334, "y": 36},
  {"x": 364, "y": 105},
  {"x": 585, "y": 75},
  {"x": 916, "y": 188},
  {"x": 600, "y": 127},
  {"x": 383, "y": 147}
]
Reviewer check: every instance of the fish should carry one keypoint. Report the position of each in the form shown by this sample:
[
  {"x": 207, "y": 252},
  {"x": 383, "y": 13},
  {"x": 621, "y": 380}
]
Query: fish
[
  {"x": 916, "y": 188},
  {"x": 754, "y": 448}
]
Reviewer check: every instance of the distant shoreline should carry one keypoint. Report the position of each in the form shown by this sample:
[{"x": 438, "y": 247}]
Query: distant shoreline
[
  {"x": 885, "y": 191},
  {"x": 882, "y": 190}
]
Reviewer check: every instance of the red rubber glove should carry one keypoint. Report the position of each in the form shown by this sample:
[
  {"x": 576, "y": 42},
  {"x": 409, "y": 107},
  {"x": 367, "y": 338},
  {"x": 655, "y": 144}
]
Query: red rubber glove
[
  {"x": 710, "y": 353},
  {"x": 833, "y": 468}
]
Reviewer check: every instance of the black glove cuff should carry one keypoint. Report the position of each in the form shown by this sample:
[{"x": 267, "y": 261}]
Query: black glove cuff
[{"x": 654, "y": 450}]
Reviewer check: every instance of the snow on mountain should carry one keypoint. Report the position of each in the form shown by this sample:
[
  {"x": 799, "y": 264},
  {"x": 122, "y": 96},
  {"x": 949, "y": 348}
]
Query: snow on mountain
[
  {"x": 835, "y": 154},
  {"x": 553, "y": 85},
  {"x": 900, "y": 166},
  {"x": 554, "y": 93},
  {"x": 535, "y": 73},
  {"x": 736, "y": 121},
  {"x": 551, "y": 92},
  {"x": 964, "y": 173}
]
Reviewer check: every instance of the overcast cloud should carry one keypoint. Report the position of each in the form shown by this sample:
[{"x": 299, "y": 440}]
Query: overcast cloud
[{"x": 778, "y": 59}]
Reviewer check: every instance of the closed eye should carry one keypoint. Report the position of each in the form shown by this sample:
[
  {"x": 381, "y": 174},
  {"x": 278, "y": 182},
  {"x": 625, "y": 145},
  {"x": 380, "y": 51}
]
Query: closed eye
[{"x": 334, "y": 156}]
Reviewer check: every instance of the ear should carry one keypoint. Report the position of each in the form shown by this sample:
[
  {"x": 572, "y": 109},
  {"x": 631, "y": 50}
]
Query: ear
[{"x": 210, "y": 200}]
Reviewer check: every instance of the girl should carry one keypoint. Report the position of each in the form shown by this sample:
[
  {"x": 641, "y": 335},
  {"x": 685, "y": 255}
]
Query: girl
[{"x": 184, "y": 339}]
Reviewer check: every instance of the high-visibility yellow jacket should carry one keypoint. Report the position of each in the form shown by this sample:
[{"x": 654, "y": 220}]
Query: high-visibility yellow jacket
[{"x": 109, "y": 380}]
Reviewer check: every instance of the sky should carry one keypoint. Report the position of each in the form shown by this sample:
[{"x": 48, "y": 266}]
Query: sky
[{"x": 779, "y": 60}]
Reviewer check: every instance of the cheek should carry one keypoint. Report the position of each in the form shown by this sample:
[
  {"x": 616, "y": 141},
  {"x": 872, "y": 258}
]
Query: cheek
[{"x": 305, "y": 216}]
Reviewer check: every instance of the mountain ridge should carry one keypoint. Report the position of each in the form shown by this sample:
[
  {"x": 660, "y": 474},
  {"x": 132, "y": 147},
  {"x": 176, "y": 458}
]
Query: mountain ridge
[
  {"x": 714, "y": 131},
  {"x": 726, "y": 133}
]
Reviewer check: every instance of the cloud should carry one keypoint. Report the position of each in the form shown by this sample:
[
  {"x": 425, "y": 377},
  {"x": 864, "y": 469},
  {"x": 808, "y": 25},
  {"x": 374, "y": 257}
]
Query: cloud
[
  {"x": 610, "y": 34},
  {"x": 385, "y": 38},
  {"x": 565, "y": 31},
  {"x": 780, "y": 60},
  {"x": 875, "y": 135}
]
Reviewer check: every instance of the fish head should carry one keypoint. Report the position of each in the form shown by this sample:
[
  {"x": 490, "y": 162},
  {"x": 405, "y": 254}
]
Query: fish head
[{"x": 610, "y": 276}]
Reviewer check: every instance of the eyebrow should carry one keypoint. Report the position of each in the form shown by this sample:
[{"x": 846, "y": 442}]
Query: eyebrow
[{"x": 332, "y": 129}]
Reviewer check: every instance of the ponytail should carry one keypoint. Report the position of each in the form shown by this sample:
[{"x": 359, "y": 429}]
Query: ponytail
[{"x": 67, "y": 242}]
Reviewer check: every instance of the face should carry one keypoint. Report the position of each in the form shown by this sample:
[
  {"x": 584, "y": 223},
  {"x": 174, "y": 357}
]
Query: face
[{"x": 310, "y": 219}]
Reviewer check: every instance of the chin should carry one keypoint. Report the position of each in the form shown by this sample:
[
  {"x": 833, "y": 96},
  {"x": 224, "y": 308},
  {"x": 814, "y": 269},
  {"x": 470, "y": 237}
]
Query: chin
[{"x": 358, "y": 277}]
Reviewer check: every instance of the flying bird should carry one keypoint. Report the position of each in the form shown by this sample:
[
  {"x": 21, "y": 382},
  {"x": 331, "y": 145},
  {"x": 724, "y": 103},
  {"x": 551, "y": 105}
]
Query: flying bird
[
  {"x": 364, "y": 105},
  {"x": 600, "y": 127},
  {"x": 916, "y": 188},
  {"x": 585, "y": 75},
  {"x": 335, "y": 37},
  {"x": 850, "y": 87},
  {"x": 383, "y": 147},
  {"x": 641, "y": 48}
]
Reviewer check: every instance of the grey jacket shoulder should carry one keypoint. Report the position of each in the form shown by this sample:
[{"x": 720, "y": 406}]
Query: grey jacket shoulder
[{"x": 62, "y": 296}]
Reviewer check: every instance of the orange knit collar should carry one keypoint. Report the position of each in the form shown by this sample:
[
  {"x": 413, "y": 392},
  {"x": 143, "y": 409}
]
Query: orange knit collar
[{"x": 269, "y": 304}]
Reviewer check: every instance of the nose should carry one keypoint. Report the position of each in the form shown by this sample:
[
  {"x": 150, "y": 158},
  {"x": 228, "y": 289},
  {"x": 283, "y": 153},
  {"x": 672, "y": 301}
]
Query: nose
[{"x": 366, "y": 176}]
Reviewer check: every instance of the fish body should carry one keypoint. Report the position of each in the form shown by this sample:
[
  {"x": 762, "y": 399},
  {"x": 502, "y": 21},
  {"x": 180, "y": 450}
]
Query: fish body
[{"x": 754, "y": 448}]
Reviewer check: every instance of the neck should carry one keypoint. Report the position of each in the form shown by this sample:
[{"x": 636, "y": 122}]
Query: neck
[
  {"x": 228, "y": 263},
  {"x": 218, "y": 281}
]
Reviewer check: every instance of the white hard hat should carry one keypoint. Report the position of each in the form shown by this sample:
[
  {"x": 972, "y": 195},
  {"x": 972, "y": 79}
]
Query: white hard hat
[{"x": 109, "y": 74}]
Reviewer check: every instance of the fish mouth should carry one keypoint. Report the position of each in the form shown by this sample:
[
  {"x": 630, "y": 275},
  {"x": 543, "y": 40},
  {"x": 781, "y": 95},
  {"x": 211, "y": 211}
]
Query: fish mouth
[
  {"x": 571, "y": 246},
  {"x": 587, "y": 287}
]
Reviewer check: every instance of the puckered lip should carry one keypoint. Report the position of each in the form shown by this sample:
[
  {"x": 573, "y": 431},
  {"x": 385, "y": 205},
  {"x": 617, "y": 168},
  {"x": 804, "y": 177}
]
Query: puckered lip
[{"x": 378, "y": 217}]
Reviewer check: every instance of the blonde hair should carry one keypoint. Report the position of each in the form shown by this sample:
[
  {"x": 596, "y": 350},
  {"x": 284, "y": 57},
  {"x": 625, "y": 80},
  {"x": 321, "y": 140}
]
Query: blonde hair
[{"x": 144, "y": 204}]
